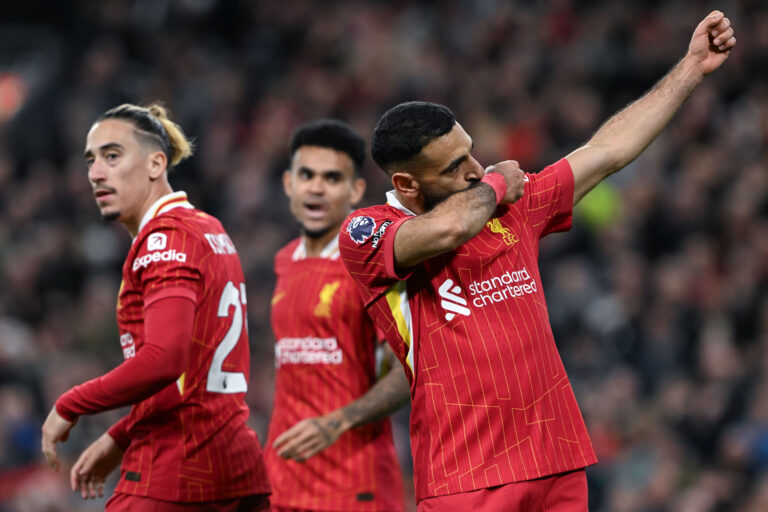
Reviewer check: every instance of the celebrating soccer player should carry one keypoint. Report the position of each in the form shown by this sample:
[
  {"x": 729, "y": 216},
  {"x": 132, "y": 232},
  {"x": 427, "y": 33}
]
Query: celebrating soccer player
[
  {"x": 181, "y": 312},
  {"x": 330, "y": 443},
  {"x": 448, "y": 268}
]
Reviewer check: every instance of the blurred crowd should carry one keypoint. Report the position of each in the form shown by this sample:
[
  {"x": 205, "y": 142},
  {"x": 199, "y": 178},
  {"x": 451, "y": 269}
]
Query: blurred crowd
[{"x": 658, "y": 297}]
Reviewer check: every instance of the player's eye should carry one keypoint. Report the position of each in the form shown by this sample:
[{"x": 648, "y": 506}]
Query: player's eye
[
  {"x": 89, "y": 162},
  {"x": 111, "y": 157},
  {"x": 305, "y": 175},
  {"x": 333, "y": 178}
]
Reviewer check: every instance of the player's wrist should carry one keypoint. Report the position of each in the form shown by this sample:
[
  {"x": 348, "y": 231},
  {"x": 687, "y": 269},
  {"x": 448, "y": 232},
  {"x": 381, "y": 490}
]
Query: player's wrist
[
  {"x": 690, "y": 68},
  {"x": 497, "y": 182}
]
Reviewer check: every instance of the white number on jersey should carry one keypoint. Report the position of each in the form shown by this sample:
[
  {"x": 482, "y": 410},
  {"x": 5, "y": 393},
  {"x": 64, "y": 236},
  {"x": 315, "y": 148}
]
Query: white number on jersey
[{"x": 220, "y": 381}]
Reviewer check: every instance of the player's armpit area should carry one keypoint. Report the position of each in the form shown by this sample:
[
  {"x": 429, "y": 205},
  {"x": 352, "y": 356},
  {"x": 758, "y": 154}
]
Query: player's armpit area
[{"x": 160, "y": 361}]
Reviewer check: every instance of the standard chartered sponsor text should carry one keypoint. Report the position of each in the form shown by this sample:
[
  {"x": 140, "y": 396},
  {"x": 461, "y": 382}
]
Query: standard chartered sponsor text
[
  {"x": 309, "y": 350},
  {"x": 500, "y": 288}
]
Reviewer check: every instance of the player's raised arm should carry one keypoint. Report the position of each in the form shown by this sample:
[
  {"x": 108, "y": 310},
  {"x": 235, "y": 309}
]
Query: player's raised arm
[{"x": 625, "y": 135}]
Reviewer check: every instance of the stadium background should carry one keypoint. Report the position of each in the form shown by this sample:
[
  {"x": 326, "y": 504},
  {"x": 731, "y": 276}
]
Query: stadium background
[{"x": 658, "y": 297}]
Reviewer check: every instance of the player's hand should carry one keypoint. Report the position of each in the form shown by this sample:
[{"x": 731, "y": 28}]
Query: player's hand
[
  {"x": 94, "y": 466},
  {"x": 514, "y": 177},
  {"x": 55, "y": 430},
  {"x": 712, "y": 41},
  {"x": 310, "y": 436}
]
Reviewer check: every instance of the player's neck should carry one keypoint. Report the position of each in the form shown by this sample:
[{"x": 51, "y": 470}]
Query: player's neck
[
  {"x": 413, "y": 204},
  {"x": 315, "y": 245},
  {"x": 156, "y": 192}
]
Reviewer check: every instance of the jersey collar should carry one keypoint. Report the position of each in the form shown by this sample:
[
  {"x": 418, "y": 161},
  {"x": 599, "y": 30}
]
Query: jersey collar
[
  {"x": 329, "y": 252},
  {"x": 393, "y": 201},
  {"x": 166, "y": 203}
]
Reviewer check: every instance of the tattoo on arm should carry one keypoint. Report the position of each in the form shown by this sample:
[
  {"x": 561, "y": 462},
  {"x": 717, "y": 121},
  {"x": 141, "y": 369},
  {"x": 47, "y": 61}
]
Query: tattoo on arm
[
  {"x": 324, "y": 432},
  {"x": 385, "y": 397}
]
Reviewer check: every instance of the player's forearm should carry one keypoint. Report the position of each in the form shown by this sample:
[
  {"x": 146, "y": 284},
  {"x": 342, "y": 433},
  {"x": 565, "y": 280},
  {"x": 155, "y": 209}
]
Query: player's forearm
[
  {"x": 450, "y": 224},
  {"x": 385, "y": 397},
  {"x": 626, "y": 134},
  {"x": 168, "y": 331}
]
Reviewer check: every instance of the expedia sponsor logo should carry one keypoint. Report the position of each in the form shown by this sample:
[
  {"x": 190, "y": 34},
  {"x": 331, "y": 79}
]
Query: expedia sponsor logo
[
  {"x": 156, "y": 242},
  {"x": 509, "y": 285},
  {"x": 169, "y": 255}
]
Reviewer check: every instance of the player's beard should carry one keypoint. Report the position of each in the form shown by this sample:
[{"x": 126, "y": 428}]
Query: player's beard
[
  {"x": 315, "y": 233},
  {"x": 109, "y": 217},
  {"x": 432, "y": 199}
]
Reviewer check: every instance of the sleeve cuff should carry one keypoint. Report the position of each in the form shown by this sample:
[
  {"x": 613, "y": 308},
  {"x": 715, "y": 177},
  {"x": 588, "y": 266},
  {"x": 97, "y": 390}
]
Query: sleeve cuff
[
  {"x": 62, "y": 410},
  {"x": 171, "y": 291},
  {"x": 388, "y": 246}
]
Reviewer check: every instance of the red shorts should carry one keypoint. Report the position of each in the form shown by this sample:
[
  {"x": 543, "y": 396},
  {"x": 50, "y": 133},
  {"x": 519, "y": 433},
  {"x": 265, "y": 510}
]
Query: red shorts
[
  {"x": 120, "y": 502},
  {"x": 564, "y": 492}
]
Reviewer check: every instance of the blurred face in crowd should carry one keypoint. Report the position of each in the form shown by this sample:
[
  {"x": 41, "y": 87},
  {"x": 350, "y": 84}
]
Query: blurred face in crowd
[
  {"x": 123, "y": 171},
  {"x": 443, "y": 167},
  {"x": 322, "y": 187}
]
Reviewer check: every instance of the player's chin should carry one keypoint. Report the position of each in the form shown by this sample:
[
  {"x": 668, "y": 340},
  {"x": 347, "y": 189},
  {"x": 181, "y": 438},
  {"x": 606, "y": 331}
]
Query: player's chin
[
  {"x": 110, "y": 215},
  {"x": 315, "y": 229}
]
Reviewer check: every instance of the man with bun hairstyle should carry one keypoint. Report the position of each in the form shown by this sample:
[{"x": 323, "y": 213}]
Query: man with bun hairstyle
[
  {"x": 449, "y": 271},
  {"x": 181, "y": 313}
]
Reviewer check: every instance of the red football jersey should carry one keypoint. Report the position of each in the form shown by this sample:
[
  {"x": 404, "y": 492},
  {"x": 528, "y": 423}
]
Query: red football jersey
[
  {"x": 491, "y": 403},
  {"x": 325, "y": 358},
  {"x": 189, "y": 442}
]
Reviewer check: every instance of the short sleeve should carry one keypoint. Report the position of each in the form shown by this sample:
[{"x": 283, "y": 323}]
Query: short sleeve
[
  {"x": 549, "y": 198},
  {"x": 366, "y": 244},
  {"x": 168, "y": 264}
]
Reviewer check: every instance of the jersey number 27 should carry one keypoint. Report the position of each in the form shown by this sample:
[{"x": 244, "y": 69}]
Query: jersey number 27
[{"x": 220, "y": 381}]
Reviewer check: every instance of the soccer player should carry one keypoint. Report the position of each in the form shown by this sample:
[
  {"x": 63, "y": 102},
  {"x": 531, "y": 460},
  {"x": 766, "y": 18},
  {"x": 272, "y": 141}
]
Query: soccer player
[
  {"x": 181, "y": 312},
  {"x": 330, "y": 444},
  {"x": 449, "y": 270}
]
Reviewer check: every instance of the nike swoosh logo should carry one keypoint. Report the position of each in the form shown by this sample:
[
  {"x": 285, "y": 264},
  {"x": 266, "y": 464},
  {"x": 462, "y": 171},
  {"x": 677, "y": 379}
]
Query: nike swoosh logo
[{"x": 277, "y": 297}]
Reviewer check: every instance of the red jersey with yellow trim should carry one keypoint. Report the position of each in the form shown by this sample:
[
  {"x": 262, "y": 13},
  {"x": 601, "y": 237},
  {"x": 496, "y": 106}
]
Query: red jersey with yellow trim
[
  {"x": 325, "y": 358},
  {"x": 189, "y": 442},
  {"x": 491, "y": 402}
]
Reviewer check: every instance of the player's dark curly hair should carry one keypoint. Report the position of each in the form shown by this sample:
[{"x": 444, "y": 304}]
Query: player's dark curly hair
[
  {"x": 333, "y": 134},
  {"x": 404, "y": 130}
]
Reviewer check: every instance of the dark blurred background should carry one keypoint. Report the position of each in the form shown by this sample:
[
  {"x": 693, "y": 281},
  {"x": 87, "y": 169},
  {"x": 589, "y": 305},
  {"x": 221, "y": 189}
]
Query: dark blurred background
[{"x": 658, "y": 297}]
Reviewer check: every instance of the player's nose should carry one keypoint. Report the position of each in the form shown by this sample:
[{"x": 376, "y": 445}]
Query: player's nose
[
  {"x": 475, "y": 172},
  {"x": 97, "y": 173},
  {"x": 317, "y": 185}
]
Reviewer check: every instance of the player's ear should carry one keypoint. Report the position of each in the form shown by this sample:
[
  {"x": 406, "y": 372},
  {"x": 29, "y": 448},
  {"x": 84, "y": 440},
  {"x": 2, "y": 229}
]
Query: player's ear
[
  {"x": 287, "y": 182},
  {"x": 406, "y": 184},
  {"x": 158, "y": 163},
  {"x": 358, "y": 190}
]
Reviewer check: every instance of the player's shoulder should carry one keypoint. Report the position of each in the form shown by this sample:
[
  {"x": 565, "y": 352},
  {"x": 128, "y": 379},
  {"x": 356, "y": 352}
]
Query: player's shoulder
[
  {"x": 365, "y": 223},
  {"x": 190, "y": 224},
  {"x": 285, "y": 254},
  {"x": 557, "y": 171}
]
